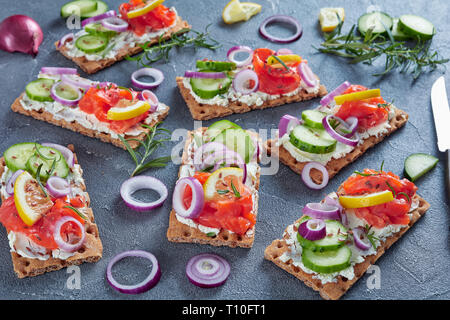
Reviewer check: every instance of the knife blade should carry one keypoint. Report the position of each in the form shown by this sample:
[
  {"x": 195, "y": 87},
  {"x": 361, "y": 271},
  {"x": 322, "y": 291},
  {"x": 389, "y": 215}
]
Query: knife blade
[{"x": 441, "y": 113}]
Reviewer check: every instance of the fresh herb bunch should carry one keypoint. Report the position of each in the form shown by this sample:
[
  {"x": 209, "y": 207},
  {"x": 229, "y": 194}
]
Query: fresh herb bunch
[
  {"x": 149, "y": 145},
  {"x": 179, "y": 39},
  {"x": 413, "y": 55}
]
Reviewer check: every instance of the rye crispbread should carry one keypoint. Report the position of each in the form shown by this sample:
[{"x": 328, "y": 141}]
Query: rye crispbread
[
  {"x": 335, "y": 165},
  {"x": 91, "y": 251},
  {"x": 93, "y": 66},
  {"x": 335, "y": 290},
  {"x": 74, "y": 126},
  {"x": 200, "y": 111},
  {"x": 182, "y": 233}
]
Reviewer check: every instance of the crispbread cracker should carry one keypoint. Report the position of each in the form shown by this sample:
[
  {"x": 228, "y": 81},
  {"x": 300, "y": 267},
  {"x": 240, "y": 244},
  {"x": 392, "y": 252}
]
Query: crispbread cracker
[
  {"x": 201, "y": 111},
  {"x": 180, "y": 232},
  {"x": 93, "y": 66},
  {"x": 335, "y": 165},
  {"x": 334, "y": 290},
  {"x": 74, "y": 126},
  {"x": 91, "y": 251}
]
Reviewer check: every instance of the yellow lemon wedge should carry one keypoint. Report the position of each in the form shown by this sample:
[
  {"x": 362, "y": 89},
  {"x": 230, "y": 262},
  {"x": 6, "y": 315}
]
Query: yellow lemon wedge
[
  {"x": 128, "y": 112},
  {"x": 285, "y": 58},
  {"x": 353, "y": 202},
  {"x": 221, "y": 175},
  {"x": 31, "y": 202},
  {"x": 328, "y": 18},
  {"x": 143, "y": 10},
  {"x": 250, "y": 9},
  {"x": 233, "y": 12},
  {"x": 355, "y": 96}
]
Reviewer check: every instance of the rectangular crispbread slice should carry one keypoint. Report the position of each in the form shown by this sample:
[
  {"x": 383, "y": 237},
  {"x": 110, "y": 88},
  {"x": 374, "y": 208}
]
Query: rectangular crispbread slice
[
  {"x": 200, "y": 111},
  {"x": 93, "y": 66},
  {"x": 91, "y": 251},
  {"x": 74, "y": 126},
  {"x": 182, "y": 233},
  {"x": 335, "y": 290},
  {"x": 335, "y": 165}
]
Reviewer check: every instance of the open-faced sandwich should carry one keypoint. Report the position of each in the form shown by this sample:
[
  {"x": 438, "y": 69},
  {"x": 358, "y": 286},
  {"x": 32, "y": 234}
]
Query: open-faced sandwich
[
  {"x": 100, "y": 110},
  {"x": 107, "y": 38},
  {"x": 264, "y": 79},
  {"x": 215, "y": 200},
  {"x": 349, "y": 120},
  {"x": 334, "y": 242},
  {"x": 46, "y": 209}
]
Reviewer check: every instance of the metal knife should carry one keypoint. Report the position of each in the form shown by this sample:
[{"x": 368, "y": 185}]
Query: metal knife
[{"x": 441, "y": 114}]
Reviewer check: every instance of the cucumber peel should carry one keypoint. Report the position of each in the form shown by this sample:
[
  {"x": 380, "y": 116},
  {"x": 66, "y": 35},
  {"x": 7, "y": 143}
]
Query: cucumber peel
[{"x": 417, "y": 164}]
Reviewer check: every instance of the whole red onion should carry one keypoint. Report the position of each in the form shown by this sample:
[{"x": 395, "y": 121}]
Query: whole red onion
[{"x": 20, "y": 33}]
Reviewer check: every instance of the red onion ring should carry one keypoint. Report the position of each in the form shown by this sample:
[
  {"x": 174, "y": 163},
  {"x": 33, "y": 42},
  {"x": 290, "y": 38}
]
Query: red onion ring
[
  {"x": 286, "y": 124},
  {"x": 312, "y": 229},
  {"x": 199, "y": 157},
  {"x": 66, "y": 152},
  {"x": 336, "y": 92},
  {"x": 63, "y": 245},
  {"x": 212, "y": 159},
  {"x": 204, "y": 75},
  {"x": 10, "y": 184},
  {"x": 61, "y": 100},
  {"x": 321, "y": 211},
  {"x": 151, "y": 72},
  {"x": 82, "y": 83},
  {"x": 307, "y": 178},
  {"x": 284, "y": 51},
  {"x": 242, "y": 80},
  {"x": 58, "y": 187},
  {"x": 307, "y": 75},
  {"x": 148, "y": 283},
  {"x": 237, "y": 49},
  {"x": 110, "y": 13},
  {"x": 151, "y": 98},
  {"x": 282, "y": 19},
  {"x": 198, "y": 198},
  {"x": 115, "y": 24},
  {"x": 335, "y": 135},
  {"x": 58, "y": 70},
  {"x": 65, "y": 38},
  {"x": 207, "y": 270},
  {"x": 352, "y": 123},
  {"x": 20, "y": 33},
  {"x": 360, "y": 239},
  {"x": 334, "y": 202},
  {"x": 134, "y": 184}
]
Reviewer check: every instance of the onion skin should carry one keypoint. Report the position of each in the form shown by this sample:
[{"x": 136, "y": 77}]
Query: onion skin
[{"x": 20, "y": 33}]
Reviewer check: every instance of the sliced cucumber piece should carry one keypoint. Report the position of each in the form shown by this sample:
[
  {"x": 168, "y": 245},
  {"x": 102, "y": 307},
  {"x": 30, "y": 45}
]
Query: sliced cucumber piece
[
  {"x": 216, "y": 66},
  {"x": 327, "y": 261},
  {"x": 313, "y": 118},
  {"x": 90, "y": 43},
  {"x": 209, "y": 88},
  {"x": 377, "y": 21},
  {"x": 17, "y": 155},
  {"x": 417, "y": 164},
  {"x": 39, "y": 89},
  {"x": 238, "y": 140},
  {"x": 219, "y": 126},
  {"x": 53, "y": 163},
  {"x": 312, "y": 140},
  {"x": 335, "y": 238},
  {"x": 96, "y": 28},
  {"x": 78, "y": 8},
  {"x": 66, "y": 91},
  {"x": 102, "y": 7},
  {"x": 416, "y": 26},
  {"x": 397, "y": 33}
]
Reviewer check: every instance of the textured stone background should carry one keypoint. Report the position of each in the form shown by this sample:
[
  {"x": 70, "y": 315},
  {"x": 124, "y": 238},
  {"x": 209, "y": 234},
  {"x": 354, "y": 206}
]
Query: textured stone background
[{"x": 417, "y": 267}]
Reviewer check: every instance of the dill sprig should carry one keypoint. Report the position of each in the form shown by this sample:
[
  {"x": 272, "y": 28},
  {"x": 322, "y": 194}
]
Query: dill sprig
[
  {"x": 414, "y": 55},
  {"x": 179, "y": 39},
  {"x": 149, "y": 145}
]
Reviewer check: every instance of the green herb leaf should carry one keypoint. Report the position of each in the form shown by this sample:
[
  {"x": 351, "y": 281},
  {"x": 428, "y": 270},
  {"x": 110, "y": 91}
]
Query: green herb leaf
[
  {"x": 236, "y": 192},
  {"x": 281, "y": 62},
  {"x": 76, "y": 211},
  {"x": 223, "y": 191},
  {"x": 38, "y": 178},
  {"x": 211, "y": 234}
]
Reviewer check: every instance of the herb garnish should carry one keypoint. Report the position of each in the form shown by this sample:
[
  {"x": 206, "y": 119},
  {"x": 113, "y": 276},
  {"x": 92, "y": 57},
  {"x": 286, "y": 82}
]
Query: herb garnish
[
  {"x": 370, "y": 236},
  {"x": 281, "y": 62},
  {"x": 392, "y": 189},
  {"x": 371, "y": 174},
  {"x": 150, "y": 144},
  {"x": 76, "y": 211},
  {"x": 236, "y": 192},
  {"x": 406, "y": 196},
  {"x": 179, "y": 39},
  {"x": 211, "y": 234},
  {"x": 38, "y": 179},
  {"x": 223, "y": 191}
]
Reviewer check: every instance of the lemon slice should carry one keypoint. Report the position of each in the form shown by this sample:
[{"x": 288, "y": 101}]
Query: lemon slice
[
  {"x": 145, "y": 9},
  {"x": 328, "y": 18},
  {"x": 355, "y": 96},
  {"x": 285, "y": 58},
  {"x": 129, "y": 112},
  {"x": 250, "y": 9},
  {"x": 210, "y": 186},
  {"x": 233, "y": 12},
  {"x": 353, "y": 202},
  {"x": 31, "y": 202}
]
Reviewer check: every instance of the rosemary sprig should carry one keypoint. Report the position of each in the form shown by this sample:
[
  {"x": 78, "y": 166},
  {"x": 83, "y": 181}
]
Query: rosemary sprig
[
  {"x": 150, "y": 144},
  {"x": 236, "y": 192},
  {"x": 179, "y": 39},
  {"x": 38, "y": 179},
  {"x": 76, "y": 211},
  {"x": 370, "y": 236},
  {"x": 223, "y": 191},
  {"x": 414, "y": 56},
  {"x": 281, "y": 62}
]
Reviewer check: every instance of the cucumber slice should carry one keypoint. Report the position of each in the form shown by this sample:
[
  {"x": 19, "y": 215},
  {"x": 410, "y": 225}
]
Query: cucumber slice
[
  {"x": 416, "y": 26},
  {"x": 377, "y": 21},
  {"x": 96, "y": 28},
  {"x": 313, "y": 118},
  {"x": 417, "y": 164},
  {"x": 17, "y": 155},
  {"x": 216, "y": 66},
  {"x": 39, "y": 89},
  {"x": 102, "y": 7},
  {"x": 327, "y": 261},
  {"x": 335, "y": 238},
  {"x": 397, "y": 33},
  {"x": 238, "y": 140},
  {"x": 90, "y": 43},
  {"x": 217, "y": 127},
  {"x": 66, "y": 91},
  {"x": 312, "y": 140},
  {"x": 78, "y": 8},
  {"x": 209, "y": 88},
  {"x": 47, "y": 156}
]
